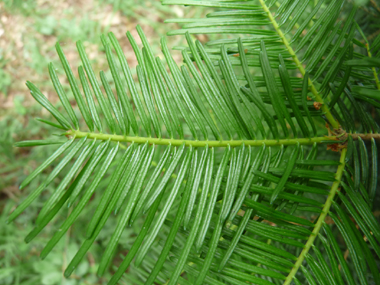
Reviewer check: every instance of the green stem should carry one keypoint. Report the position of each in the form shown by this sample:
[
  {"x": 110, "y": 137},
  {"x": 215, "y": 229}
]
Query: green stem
[
  {"x": 321, "y": 219},
  {"x": 373, "y": 68},
  {"x": 316, "y": 94},
  {"x": 176, "y": 142}
]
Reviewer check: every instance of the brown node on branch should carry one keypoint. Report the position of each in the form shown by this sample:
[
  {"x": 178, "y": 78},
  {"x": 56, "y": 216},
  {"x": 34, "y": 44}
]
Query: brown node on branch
[
  {"x": 340, "y": 135},
  {"x": 317, "y": 105},
  {"x": 336, "y": 146}
]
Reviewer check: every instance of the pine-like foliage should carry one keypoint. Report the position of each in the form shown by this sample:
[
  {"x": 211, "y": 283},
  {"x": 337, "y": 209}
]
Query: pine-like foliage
[{"x": 224, "y": 156}]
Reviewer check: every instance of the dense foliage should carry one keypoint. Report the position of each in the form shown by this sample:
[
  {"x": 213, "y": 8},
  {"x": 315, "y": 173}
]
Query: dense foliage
[{"x": 253, "y": 161}]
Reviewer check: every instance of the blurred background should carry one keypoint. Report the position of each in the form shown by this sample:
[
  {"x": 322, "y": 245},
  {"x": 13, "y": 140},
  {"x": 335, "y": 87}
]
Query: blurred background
[{"x": 29, "y": 30}]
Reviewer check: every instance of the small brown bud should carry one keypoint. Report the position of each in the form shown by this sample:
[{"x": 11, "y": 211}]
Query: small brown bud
[{"x": 317, "y": 105}]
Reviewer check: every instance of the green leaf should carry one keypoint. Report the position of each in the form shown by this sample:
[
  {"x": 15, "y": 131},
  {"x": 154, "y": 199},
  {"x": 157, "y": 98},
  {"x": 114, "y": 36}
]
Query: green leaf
[
  {"x": 165, "y": 179},
  {"x": 268, "y": 118},
  {"x": 247, "y": 74},
  {"x": 37, "y": 143},
  {"x": 361, "y": 223},
  {"x": 365, "y": 62},
  {"x": 352, "y": 243},
  {"x": 288, "y": 11},
  {"x": 242, "y": 276},
  {"x": 50, "y": 123},
  {"x": 373, "y": 175},
  {"x": 114, "y": 104},
  {"x": 216, "y": 100},
  {"x": 155, "y": 70},
  {"x": 210, "y": 4},
  {"x": 131, "y": 172},
  {"x": 356, "y": 163},
  {"x": 109, "y": 192},
  {"x": 95, "y": 159},
  {"x": 49, "y": 179},
  {"x": 235, "y": 239},
  {"x": 304, "y": 102},
  {"x": 371, "y": 93},
  {"x": 40, "y": 98},
  {"x": 65, "y": 181},
  {"x": 323, "y": 23},
  {"x": 121, "y": 94},
  {"x": 338, "y": 42},
  {"x": 317, "y": 162},
  {"x": 212, "y": 199},
  {"x": 342, "y": 261},
  {"x": 179, "y": 82},
  {"x": 62, "y": 95},
  {"x": 148, "y": 100},
  {"x": 368, "y": 256},
  {"x": 158, "y": 97},
  {"x": 276, "y": 214},
  {"x": 131, "y": 85},
  {"x": 324, "y": 266},
  {"x": 296, "y": 16},
  {"x": 213, "y": 243},
  {"x": 232, "y": 183},
  {"x": 74, "y": 87},
  {"x": 40, "y": 168},
  {"x": 246, "y": 186},
  {"x": 342, "y": 84},
  {"x": 142, "y": 75},
  {"x": 322, "y": 47},
  {"x": 285, "y": 176},
  {"x": 308, "y": 276},
  {"x": 173, "y": 231},
  {"x": 278, "y": 104},
  {"x": 197, "y": 101},
  {"x": 176, "y": 97},
  {"x": 290, "y": 95},
  {"x": 125, "y": 216},
  {"x": 152, "y": 181},
  {"x": 334, "y": 265},
  {"x": 251, "y": 268},
  {"x": 168, "y": 204},
  {"x": 193, "y": 184},
  {"x": 317, "y": 270},
  {"x": 246, "y": 108},
  {"x": 364, "y": 211},
  {"x": 84, "y": 200},
  {"x": 307, "y": 21},
  {"x": 132, "y": 252},
  {"x": 90, "y": 100},
  {"x": 198, "y": 217},
  {"x": 363, "y": 161},
  {"x": 46, "y": 219}
]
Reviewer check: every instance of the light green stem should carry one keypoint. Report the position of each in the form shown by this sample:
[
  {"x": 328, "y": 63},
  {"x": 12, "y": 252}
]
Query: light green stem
[
  {"x": 373, "y": 68},
  {"x": 194, "y": 143},
  {"x": 315, "y": 92},
  {"x": 321, "y": 219}
]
